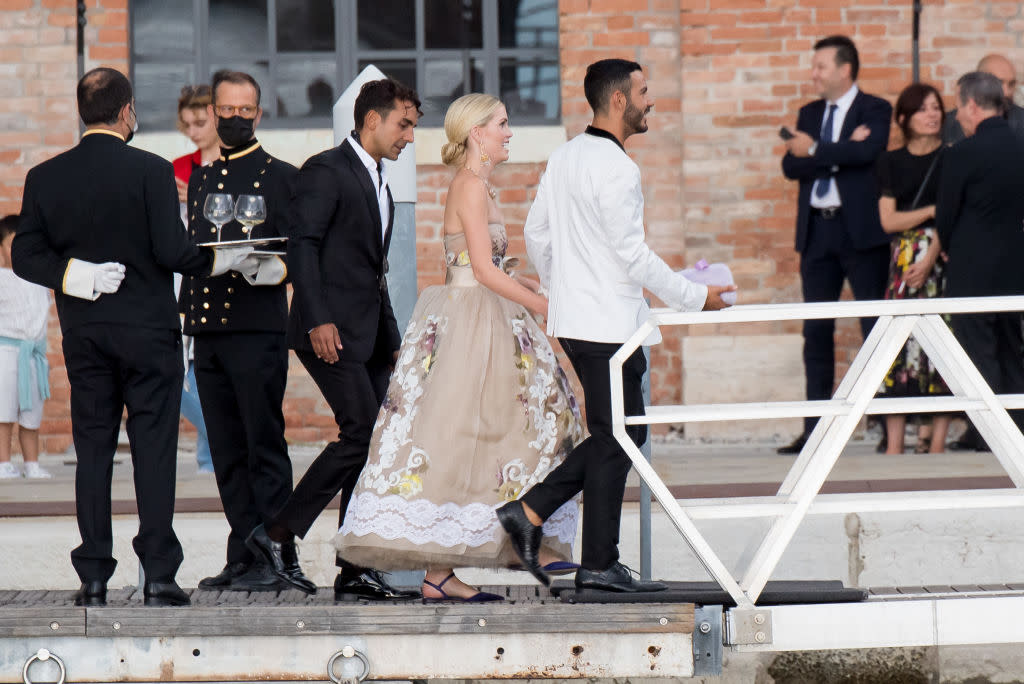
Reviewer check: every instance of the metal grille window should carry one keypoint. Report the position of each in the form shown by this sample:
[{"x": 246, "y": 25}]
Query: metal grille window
[{"x": 303, "y": 52}]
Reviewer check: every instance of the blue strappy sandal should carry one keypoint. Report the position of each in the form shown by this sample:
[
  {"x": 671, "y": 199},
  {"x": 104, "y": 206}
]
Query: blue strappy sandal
[{"x": 478, "y": 597}]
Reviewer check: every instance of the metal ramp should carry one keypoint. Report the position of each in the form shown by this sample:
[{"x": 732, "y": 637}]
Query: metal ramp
[{"x": 887, "y": 619}]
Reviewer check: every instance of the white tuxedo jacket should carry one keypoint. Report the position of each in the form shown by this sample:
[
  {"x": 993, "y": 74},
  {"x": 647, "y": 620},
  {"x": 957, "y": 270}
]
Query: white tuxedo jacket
[{"x": 585, "y": 236}]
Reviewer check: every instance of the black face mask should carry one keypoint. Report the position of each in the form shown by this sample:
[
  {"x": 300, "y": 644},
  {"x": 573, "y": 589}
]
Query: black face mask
[
  {"x": 135, "y": 127},
  {"x": 235, "y": 130}
]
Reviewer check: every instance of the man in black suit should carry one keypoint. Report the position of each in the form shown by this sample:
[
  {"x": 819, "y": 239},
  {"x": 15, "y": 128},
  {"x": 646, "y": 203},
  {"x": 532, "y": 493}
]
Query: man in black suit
[
  {"x": 979, "y": 218},
  {"x": 341, "y": 323},
  {"x": 238, "y": 324},
  {"x": 100, "y": 226},
  {"x": 1002, "y": 68},
  {"x": 838, "y": 232}
]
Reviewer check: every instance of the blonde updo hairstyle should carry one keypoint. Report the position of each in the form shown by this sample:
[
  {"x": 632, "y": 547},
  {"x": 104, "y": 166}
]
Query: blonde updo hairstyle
[{"x": 475, "y": 109}]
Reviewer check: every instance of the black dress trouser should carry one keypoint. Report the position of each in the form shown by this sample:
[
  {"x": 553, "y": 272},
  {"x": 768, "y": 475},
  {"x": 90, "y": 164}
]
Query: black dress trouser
[
  {"x": 355, "y": 391},
  {"x": 829, "y": 258},
  {"x": 241, "y": 379},
  {"x": 597, "y": 466},
  {"x": 994, "y": 343},
  {"x": 111, "y": 367}
]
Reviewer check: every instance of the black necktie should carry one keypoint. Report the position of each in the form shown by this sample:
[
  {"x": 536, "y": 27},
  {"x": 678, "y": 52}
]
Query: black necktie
[
  {"x": 380, "y": 175},
  {"x": 822, "y": 184}
]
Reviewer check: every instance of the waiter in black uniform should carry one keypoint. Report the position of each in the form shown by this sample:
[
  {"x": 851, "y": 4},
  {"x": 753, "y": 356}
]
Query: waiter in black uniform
[
  {"x": 100, "y": 226},
  {"x": 238, "y": 323}
]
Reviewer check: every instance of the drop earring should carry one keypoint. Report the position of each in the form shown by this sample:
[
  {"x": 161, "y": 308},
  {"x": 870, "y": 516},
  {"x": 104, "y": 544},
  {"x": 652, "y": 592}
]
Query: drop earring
[{"x": 485, "y": 159}]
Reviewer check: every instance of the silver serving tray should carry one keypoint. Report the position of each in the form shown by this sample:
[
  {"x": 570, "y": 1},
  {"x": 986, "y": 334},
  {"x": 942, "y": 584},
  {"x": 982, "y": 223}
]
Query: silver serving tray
[{"x": 255, "y": 242}]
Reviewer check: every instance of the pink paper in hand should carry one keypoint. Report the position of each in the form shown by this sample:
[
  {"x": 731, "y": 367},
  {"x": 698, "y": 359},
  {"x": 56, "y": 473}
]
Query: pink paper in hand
[{"x": 711, "y": 274}]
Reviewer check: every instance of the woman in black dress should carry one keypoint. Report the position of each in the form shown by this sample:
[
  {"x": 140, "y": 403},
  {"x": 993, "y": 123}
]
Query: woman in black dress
[{"x": 908, "y": 179}]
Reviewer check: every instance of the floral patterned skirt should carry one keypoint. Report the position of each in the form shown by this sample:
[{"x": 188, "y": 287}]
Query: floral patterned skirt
[
  {"x": 911, "y": 373},
  {"x": 477, "y": 411}
]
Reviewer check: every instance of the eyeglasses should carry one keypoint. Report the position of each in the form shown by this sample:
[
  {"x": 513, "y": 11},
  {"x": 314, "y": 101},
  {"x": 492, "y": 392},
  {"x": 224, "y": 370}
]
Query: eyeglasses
[{"x": 246, "y": 111}]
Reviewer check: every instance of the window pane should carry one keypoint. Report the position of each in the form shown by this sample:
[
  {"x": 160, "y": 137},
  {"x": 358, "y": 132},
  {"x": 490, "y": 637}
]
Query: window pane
[
  {"x": 307, "y": 87},
  {"x": 453, "y": 24},
  {"x": 387, "y": 24},
  {"x": 305, "y": 26},
  {"x": 528, "y": 23},
  {"x": 529, "y": 89},
  {"x": 162, "y": 27},
  {"x": 157, "y": 86},
  {"x": 443, "y": 82},
  {"x": 238, "y": 27},
  {"x": 403, "y": 71}
]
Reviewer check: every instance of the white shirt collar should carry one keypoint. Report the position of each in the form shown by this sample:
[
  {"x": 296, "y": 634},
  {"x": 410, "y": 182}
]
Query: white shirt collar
[
  {"x": 846, "y": 99},
  {"x": 369, "y": 163}
]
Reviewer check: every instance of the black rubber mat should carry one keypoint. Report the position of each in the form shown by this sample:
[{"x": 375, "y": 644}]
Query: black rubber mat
[{"x": 776, "y": 593}]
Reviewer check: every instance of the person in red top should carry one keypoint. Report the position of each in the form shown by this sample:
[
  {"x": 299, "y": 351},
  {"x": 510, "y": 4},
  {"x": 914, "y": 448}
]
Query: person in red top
[{"x": 195, "y": 122}]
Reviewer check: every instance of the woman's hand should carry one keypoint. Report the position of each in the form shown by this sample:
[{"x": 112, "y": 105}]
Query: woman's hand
[
  {"x": 182, "y": 190},
  {"x": 917, "y": 273},
  {"x": 542, "y": 308},
  {"x": 860, "y": 133}
]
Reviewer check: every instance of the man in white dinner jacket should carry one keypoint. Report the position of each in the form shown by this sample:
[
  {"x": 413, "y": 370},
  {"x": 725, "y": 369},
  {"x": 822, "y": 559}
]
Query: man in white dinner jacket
[{"x": 585, "y": 237}]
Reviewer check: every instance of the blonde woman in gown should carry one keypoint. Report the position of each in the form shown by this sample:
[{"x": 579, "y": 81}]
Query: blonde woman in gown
[{"x": 478, "y": 409}]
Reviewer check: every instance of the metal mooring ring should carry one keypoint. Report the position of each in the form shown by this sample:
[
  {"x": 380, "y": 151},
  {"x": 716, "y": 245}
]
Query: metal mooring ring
[
  {"x": 40, "y": 655},
  {"x": 347, "y": 652}
]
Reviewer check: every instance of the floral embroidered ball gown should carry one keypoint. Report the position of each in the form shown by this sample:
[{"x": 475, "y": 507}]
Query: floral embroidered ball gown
[{"x": 477, "y": 411}]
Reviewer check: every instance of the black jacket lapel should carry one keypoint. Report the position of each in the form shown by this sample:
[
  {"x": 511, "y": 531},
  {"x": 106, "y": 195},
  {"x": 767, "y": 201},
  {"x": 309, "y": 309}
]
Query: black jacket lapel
[
  {"x": 851, "y": 122},
  {"x": 363, "y": 176},
  {"x": 391, "y": 221}
]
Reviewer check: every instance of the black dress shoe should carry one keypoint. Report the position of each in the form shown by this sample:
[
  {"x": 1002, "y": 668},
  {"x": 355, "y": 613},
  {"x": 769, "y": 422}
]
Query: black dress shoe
[
  {"x": 967, "y": 445},
  {"x": 794, "y": 447},
  {"x": 525, "y": 537},
  {"x": 369, "y": 585},
  {"x": 283, "y": 559},
  {"x": 224, "y": 578},
  {"x": 615, "y": 578},
  {"x": 92, "y": 593},
  {"x": 164, "y": 594},
  {"x": 258, "y": 577}
]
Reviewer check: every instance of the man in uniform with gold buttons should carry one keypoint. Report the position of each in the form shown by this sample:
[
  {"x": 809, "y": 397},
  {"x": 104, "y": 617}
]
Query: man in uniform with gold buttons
[{"x": 238, "y": 323}]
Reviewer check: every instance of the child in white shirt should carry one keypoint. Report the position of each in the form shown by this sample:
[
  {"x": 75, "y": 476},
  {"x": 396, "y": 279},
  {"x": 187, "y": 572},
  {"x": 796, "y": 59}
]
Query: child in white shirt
[{"x": 24, "y": 371}]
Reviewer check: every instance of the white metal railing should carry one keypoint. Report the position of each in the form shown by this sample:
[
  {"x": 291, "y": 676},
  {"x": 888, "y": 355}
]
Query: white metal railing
[{"x": 855, "y": 397}]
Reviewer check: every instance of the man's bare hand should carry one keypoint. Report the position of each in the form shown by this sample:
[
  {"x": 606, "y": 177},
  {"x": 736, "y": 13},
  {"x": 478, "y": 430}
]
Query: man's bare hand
[
  {"x": 714, "y": 301},
  {"x": 800, "y": 144},
  {"x": 326, "y": 342},
  {"x": 860, "y": 133},
  {"x": 529, "y": 283},
  {"x": 182, "y": 189}
]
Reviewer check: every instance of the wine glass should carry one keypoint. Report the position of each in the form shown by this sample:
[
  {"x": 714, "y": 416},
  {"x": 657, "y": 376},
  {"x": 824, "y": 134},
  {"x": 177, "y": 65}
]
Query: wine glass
[
  {"x": 250, "y": 211},
  {"x": 218, "y": 210}
]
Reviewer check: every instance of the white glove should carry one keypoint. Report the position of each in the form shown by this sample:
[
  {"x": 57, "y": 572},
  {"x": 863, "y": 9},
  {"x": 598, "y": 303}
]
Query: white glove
[
  {"x": 86, "y": 280},
  {"x": 228, "y": 258},
  {"x": 107, "y": 278},
  {"x": 270, "y": 270},
  {"x": 249, "y": 267}
]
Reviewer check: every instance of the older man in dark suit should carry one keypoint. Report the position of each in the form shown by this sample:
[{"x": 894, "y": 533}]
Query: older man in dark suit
[
  {"x": 980, "y": 220},
  {"x": 1002, "y": 68},
  {"x": 100, "y": 226},
  {"x": 341, "y": 324},
  {"x": 838, "y": 233}
]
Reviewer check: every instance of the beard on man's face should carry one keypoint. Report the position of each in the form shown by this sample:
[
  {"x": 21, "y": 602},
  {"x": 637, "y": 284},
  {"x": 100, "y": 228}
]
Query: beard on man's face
[{"x": 634, "y": 118}]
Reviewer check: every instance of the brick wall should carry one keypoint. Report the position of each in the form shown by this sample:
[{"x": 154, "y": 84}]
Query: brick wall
[{"x": 725, "y": 74}]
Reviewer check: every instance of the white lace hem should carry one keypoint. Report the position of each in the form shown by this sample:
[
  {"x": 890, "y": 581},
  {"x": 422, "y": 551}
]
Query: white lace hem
[{"x": 421, "y": 521}]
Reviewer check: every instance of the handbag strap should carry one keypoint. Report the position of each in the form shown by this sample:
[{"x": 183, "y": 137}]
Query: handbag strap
[{"x": 927, "y": 177}]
